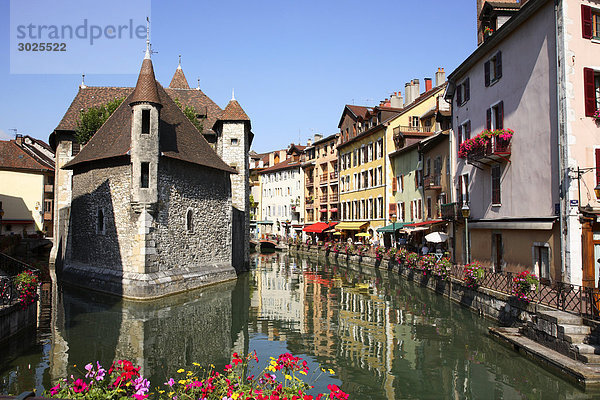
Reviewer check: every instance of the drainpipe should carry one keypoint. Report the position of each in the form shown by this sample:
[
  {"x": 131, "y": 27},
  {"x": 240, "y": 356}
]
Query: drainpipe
[{"x": 563, "y": 161}]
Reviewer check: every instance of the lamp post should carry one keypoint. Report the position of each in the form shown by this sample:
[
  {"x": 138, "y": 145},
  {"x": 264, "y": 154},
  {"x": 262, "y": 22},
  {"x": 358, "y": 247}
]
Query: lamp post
[
  {"x": 580, "y": 172},
  {"x": 394, "y": 218},
  {"x": 466, "y": 212}
]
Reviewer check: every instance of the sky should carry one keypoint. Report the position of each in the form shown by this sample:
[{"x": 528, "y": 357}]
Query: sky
[{"x": 293, "y": 64}]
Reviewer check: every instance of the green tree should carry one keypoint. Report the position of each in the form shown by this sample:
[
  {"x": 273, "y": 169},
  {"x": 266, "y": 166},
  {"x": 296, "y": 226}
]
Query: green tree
[
  {"x": 191, "y": 114},
  {"x": 91, "y": 120}
]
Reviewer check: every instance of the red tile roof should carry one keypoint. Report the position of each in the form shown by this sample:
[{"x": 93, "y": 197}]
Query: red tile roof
[
  {"x": 286, "y": 164},
  {"x": 13, "y": 156},
  {"x": 234, "y": 112},
  {"x": 179, "y": 138},
  {"x": 145, "y": 89},
  {"x": 178, "y": 81}
]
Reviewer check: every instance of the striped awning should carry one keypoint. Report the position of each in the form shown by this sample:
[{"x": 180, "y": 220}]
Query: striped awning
[{"x": 351, "y": 226}]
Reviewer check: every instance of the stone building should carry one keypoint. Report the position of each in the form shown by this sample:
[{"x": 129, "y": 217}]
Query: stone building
[{"x": 150, "y": 206}]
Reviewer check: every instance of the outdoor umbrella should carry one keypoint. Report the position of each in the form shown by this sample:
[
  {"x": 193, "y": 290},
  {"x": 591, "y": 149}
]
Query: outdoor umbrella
[
  {"x": 436, "y": 237},
  {"x": 362, "y": 234},
  {"x": 338, "y": 233}
]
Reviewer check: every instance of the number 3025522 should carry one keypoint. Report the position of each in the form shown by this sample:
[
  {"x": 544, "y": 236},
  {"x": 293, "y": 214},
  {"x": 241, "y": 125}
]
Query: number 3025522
[{"x": 41, "y": 46}]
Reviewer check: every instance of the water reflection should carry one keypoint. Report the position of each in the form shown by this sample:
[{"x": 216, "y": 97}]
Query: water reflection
[{"x": 383, "y": 337}]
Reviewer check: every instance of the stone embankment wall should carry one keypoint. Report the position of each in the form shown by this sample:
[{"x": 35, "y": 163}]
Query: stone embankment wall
[
  {"x": 500, "y": 307},
  {"x": 15, "y": 317}
]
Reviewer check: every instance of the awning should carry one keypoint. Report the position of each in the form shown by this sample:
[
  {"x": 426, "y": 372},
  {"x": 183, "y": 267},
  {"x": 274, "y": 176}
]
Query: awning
[
  {"x": 351, "y": 226},
  {"x": 264, "y": 222},
  {"x": 333, "y": 209},
  {"x": 541, "y": 225},
  {"x": 17, "y": 221},
  {"x": 319, "y": 227},
  {"x": 323, "y": 210},
  {"x": 425, "y": 223},
  {"x": 413, "y": 230},
  {"x": 390, "y": 228}
]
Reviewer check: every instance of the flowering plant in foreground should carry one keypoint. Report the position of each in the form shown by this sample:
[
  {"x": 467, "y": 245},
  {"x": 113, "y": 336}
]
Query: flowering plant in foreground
[
  {"x": 281, "y": 379},
  {"x": 474, "y": 274},
  {"x": 482, "y": 140},
  {"x": 524, "y": 284},
  {"x": 27, "y": 283},
  {"x": 379, "y": 253},
  {"x": 596, "y": 115}
]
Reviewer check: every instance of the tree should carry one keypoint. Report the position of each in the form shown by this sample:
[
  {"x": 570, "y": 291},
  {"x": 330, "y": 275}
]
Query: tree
[
  {"x": 191, "y": 114},
  {"x": 91, "y": 120}
]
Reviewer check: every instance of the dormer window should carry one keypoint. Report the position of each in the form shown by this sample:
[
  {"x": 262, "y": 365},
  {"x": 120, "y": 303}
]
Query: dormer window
[{"x": 146, "y": 121}]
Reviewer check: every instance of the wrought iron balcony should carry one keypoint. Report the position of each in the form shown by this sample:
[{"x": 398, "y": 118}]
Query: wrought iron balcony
[
  {"x": 310, "y": 182},
  {"x": 432, "y": 182},
  {"x": 451, "y": 211},
  {"x": 333, "y": 198},
  {"x": 496, "y": 149},
  {"x": 333, "y": 176}
]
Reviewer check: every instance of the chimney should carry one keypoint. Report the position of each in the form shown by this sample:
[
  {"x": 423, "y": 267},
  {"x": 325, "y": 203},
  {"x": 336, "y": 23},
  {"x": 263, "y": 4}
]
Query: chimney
[
  {"x": 440, "y": 77},
  {"x": 318, "y": 137},
  {"x": 408, "y": 92},
  {"x": 309, "y": 143},
  {"x": 271, "y": 159},
  {"x": 427, "y": 84},
  {"x": 397, "y": 101},
  {"x": 282, "y": 155},
  {"x": 19, "y": 139},
  {"x": 416, "y": 89}
]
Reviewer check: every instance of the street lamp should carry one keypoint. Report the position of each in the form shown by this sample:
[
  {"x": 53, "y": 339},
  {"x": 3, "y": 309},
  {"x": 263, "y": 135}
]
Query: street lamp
[
  {"x": 580, "y": 172},
  {"x": 466, "y": 212},
  {"x": 394, "y": 218}
]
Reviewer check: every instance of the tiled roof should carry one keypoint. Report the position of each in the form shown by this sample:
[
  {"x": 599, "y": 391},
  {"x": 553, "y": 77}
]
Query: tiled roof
[
  {"x": 178, "y": 81},
  {"x": 201, "y": 103},
  {"x": 145, "y": 89},
  {"x": 234, "y": 112},
  {"x": 13, "y": 156},
  {"x": 359, "y": 111},
  {"x": 286, "y": 164},
  {"x": 88, "y": 97},
  {"x": 179, "y": 138}
]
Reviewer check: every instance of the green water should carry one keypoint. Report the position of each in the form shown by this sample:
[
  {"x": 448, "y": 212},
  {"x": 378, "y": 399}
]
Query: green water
[{"x": 384, "y": 337}]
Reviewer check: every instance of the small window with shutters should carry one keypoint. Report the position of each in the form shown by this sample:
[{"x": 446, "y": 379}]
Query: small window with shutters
[
  {"x": 591, "y": 88},
  {"x": 496, "y": 174},
  {"x": 597, "y": 151},
  {"x": 590, "y": 22},
  {"x": 463, "y": 92},
  {"x": 393, "y": 209},
  {"x": 493, "y": 69},
  {"x": 464, "y": 132},
  {"x": 495, "y": 116}
]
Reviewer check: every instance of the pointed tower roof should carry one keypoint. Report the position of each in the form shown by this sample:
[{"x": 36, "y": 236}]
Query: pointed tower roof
[
  {"x": 234, "y": 112},
  {"x": 145, "y": 88},
  {"x": 179, "y": 81}
]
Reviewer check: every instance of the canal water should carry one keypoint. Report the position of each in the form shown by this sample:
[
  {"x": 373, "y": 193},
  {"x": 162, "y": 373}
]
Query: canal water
[{"x": 383, "y": 337}]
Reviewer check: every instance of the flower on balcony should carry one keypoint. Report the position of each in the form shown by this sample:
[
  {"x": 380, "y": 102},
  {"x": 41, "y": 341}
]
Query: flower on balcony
[
  {"x": 596, "y": 116},
  {"x": 482, "y": 140},
  {"x": 488, "y": 31}
]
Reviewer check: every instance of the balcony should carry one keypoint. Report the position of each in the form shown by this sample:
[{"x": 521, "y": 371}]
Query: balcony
[
  {"x": 323, "y": 199},
  {"x": 309, "y": 206},
  {"x": 432, "y": 182},
  {"x": 497, "y": 149},
  {"x": 412, "y": 129},
  {"x": 310, "y": 182},
  {"x": 451, "y": 211},
  {"x": 334, "y": 198},
  {"x": 47, "y": 216},
  {"x": 324, "y": 179},
  {"x": 48, "y": 188},
  {"x": 333, "y": 176}
]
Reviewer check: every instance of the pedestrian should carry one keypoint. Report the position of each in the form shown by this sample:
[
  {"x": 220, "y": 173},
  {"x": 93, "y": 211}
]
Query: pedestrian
[{"x": 424, "y": 249}]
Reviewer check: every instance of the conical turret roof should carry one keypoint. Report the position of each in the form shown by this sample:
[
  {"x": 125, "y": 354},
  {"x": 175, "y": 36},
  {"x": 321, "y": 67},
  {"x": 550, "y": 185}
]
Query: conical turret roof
[
  {"x": 145, "y": 88},
  {"x": 178, "y": 81}
]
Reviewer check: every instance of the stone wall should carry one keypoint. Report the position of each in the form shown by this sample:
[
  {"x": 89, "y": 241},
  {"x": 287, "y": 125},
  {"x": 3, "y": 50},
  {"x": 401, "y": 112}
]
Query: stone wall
[
  {"x": 204, "y": 191},
  {"x": 495, "y": 305},
  {"x": 15, "y": 318}
]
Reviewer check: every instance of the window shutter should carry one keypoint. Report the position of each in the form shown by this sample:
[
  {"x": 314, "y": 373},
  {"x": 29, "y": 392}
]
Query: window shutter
[
  {"x": 487, "y": 73},
  {"x": 412, "y": 212},
  {"x": 459, "y": 95},
  {"x": 488, "y": 118},
  {"x": 467, "y": 89},
  {"x": 402, "y": 211},
  {"x": 597, "y": 166},
  {"x": 420, "y": 209},
  {"x": 586, "y": 21},
  {"x": 468, "y": 130},
  {"x": 589, "y": 92},
  {"x": 460, "y": 128},
  {"x": 498, "y": 65},
  {"x": 416, "y": 179},
  {"x": 402, "y": 183},
  {"x": 500, "y": 122},
  {"x": 394, "y": 184},
  {"x": 392, "y": 208}
]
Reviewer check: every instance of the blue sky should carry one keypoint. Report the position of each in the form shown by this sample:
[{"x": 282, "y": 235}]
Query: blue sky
[{"x": 293, "y": 65}]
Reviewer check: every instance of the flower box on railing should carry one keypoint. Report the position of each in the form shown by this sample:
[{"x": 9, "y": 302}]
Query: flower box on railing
[{"x": 487, "y": 144}]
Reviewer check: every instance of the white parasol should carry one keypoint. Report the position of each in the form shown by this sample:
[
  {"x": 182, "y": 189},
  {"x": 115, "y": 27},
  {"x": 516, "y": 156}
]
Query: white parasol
[{"x": 436, "y": 237}]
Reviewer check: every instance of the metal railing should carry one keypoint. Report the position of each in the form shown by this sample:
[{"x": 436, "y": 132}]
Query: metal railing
[
  {"x": 495, "y": 147},
  {"x": 333, "y": 198},
  {"x": 432, "y": 181},
  {"x": 9, "y": 268},
  {"x": 333, "y": 175}
]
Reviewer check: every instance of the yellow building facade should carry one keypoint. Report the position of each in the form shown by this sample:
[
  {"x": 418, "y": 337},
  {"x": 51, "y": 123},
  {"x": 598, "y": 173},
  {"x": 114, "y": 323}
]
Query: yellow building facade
[{"x": 362, "y": 161}]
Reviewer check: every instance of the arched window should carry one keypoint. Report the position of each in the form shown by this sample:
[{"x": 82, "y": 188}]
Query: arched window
[{"x": 189, "y": 221}]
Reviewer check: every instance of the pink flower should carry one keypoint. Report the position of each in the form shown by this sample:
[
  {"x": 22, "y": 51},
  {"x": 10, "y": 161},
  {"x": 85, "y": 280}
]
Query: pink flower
[{"x": 79, "y": 386}]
